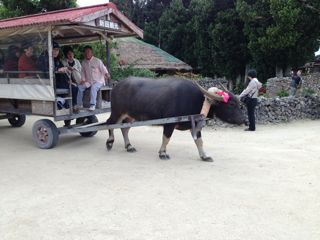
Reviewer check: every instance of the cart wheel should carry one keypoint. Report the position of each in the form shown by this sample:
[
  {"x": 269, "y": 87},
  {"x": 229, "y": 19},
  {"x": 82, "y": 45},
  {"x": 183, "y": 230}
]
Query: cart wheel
[
  {"x": 17, "y": 120},
  {"x": 85, "y": 121},
  {"x": 45, "y": 134},
  {"x": 67, "y": 123}
]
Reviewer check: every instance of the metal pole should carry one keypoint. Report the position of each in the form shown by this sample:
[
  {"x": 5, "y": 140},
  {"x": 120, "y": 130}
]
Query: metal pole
[
  {"x": 51, "y": 69},
  {"x": 50, "y": 58}
]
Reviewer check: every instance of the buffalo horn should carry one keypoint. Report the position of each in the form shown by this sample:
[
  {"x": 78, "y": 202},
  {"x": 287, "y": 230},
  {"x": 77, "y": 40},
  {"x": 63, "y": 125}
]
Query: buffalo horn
[
  {"x": 209, "y": 94},
  {"x": 223, "y": 87}
]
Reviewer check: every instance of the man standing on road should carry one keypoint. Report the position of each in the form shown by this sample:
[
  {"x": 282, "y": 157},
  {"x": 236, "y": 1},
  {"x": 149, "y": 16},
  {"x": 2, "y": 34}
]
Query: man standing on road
[{"x": 93, "y": 76}]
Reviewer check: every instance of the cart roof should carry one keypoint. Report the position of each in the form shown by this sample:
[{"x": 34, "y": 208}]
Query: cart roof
[{"x": 104, "y": 17}]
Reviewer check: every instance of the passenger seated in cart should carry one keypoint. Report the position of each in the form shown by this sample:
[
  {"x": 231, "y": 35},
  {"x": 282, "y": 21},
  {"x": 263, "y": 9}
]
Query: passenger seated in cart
[
  {"x": 11, "y": 63},
  {"x": 93, "y": 76},
  {"x": 27, "y": 61},
  {"x": 62, "y": 79},
  {"x": 73, "y": 65}
]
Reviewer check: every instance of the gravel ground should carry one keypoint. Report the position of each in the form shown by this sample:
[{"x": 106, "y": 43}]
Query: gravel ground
[{"x": 262, "y": 185}]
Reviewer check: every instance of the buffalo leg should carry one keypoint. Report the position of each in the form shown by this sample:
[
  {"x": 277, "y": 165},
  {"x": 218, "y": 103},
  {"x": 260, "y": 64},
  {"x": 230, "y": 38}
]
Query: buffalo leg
[
  {"x": 127, "y": 144},
  {"x": 199, "y": 144},
  {"x": 112, "y": 120},
  {"x": 167, "y": 133},
  {"x": 110, "y": 140}
]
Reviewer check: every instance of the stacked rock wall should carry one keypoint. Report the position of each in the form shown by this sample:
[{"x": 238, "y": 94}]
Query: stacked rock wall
[
  {"x": 276, "y": 109},
  {"x": 310, "y": 82}
]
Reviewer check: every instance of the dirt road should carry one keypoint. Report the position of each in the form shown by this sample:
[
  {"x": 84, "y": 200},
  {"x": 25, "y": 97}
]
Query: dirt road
[{"x": 262, "y": 185}]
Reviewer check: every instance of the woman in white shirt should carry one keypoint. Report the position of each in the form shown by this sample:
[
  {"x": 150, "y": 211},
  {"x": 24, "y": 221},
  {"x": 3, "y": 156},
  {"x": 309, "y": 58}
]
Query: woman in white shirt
[
  {"x": 251, "y": 102},
  {"x": 73, "y": 65}
]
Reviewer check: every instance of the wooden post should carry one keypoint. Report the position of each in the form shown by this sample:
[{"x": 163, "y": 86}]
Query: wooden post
[{"x": 107, "y": 55}]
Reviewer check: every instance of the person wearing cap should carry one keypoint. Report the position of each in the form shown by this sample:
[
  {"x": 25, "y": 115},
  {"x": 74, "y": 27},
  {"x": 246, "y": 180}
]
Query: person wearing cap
[
  {"x": 62, "y": 79},
  {"x": 251, "y": 92},
  {"x": 93, "y": 76},
  {"x": 26, "y": 61}
]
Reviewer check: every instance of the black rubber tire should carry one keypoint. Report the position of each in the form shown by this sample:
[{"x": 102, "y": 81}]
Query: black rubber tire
[
  {"x": 45, "y": 134},
  {"x": 85, "y": 121},
  {"x": 17, "y": 120},
  {"x": 67, "y": 123}
]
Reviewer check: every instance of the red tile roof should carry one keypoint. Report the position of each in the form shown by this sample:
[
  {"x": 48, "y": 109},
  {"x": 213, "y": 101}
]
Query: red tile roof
[{"x": 71, "y": 15}]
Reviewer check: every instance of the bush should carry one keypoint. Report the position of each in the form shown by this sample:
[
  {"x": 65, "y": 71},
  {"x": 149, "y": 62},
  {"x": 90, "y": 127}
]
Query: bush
[
  {"x": 239, "y": 88},
  {"x": 98, "y": 48},
  {"x": 119, "y": 73},
  {"x": 308, "y": 92},
  {"x": 283, "y": 93}
]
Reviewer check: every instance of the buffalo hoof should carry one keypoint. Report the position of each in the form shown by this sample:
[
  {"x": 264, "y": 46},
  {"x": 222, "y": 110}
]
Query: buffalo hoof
[
  {"x": 130, "y": 149},
  {"x": 164, "y": 156},
  {"x": 207, "y": 159},
  {"x": 109, "y": 144}
]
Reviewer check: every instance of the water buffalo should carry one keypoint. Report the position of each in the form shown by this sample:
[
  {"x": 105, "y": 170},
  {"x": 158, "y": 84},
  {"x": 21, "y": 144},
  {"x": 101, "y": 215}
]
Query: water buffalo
[{"x": 141, "y": 99}]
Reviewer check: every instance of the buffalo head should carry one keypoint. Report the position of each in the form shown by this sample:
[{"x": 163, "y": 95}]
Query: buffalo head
[{"x": 228, "y": 111}]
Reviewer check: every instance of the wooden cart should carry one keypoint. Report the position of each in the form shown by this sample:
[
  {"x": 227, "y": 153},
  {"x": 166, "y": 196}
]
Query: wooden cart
[{"x": 34, "y": 92}]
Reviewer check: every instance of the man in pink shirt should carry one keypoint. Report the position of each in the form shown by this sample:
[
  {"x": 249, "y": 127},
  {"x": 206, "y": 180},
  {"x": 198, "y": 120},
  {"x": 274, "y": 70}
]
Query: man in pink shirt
[{"x": 93, "y": 75}]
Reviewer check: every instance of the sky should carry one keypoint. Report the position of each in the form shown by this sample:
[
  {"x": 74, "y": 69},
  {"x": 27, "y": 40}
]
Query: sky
[{"x": 83, "y": 3}]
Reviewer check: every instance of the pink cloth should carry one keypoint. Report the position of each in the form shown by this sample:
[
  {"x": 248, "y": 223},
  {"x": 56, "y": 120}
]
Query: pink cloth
[
  {"x": 93, "y": 71},
  {"x": 224, "y": 95},
  {"x": 206, "y": 104}
]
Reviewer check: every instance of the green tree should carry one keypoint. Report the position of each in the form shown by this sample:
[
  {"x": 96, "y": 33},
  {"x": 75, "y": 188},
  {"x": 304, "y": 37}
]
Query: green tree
[
  {"x": 50, "y": 5},
  {"x": 229, "y": 45},
  {"x": 280, "y": 33},
  {"x": 173, "y": 28},
  {"x": 13, "y": 8},
  {"x": 199, "y": 42},
  {"x": 134, "y": 10},
  {"x": 153, "y": 11}
]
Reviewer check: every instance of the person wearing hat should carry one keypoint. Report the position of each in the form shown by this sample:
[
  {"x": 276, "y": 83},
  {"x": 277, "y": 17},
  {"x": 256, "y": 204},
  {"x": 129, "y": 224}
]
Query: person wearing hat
[{"x": 26, "y": 61}]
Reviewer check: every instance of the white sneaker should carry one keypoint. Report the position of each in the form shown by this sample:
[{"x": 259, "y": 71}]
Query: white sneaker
[{"x": 92, "y": 107}]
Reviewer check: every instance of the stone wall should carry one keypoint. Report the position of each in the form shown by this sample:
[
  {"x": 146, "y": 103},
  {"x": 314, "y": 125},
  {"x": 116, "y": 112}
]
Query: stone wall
[
  {"x": 276, "y": 110},
  {"x": 310, "y": 82},
  {"x": 210, "y": 82}
]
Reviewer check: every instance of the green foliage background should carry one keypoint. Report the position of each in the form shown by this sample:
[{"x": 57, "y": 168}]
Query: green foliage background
[
  {"x": 219, "y": 37},
  {"x": 216, "y": 37}
]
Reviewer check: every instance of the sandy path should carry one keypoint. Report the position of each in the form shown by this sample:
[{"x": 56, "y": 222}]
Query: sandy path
[{"x": 262, "y": 185}]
